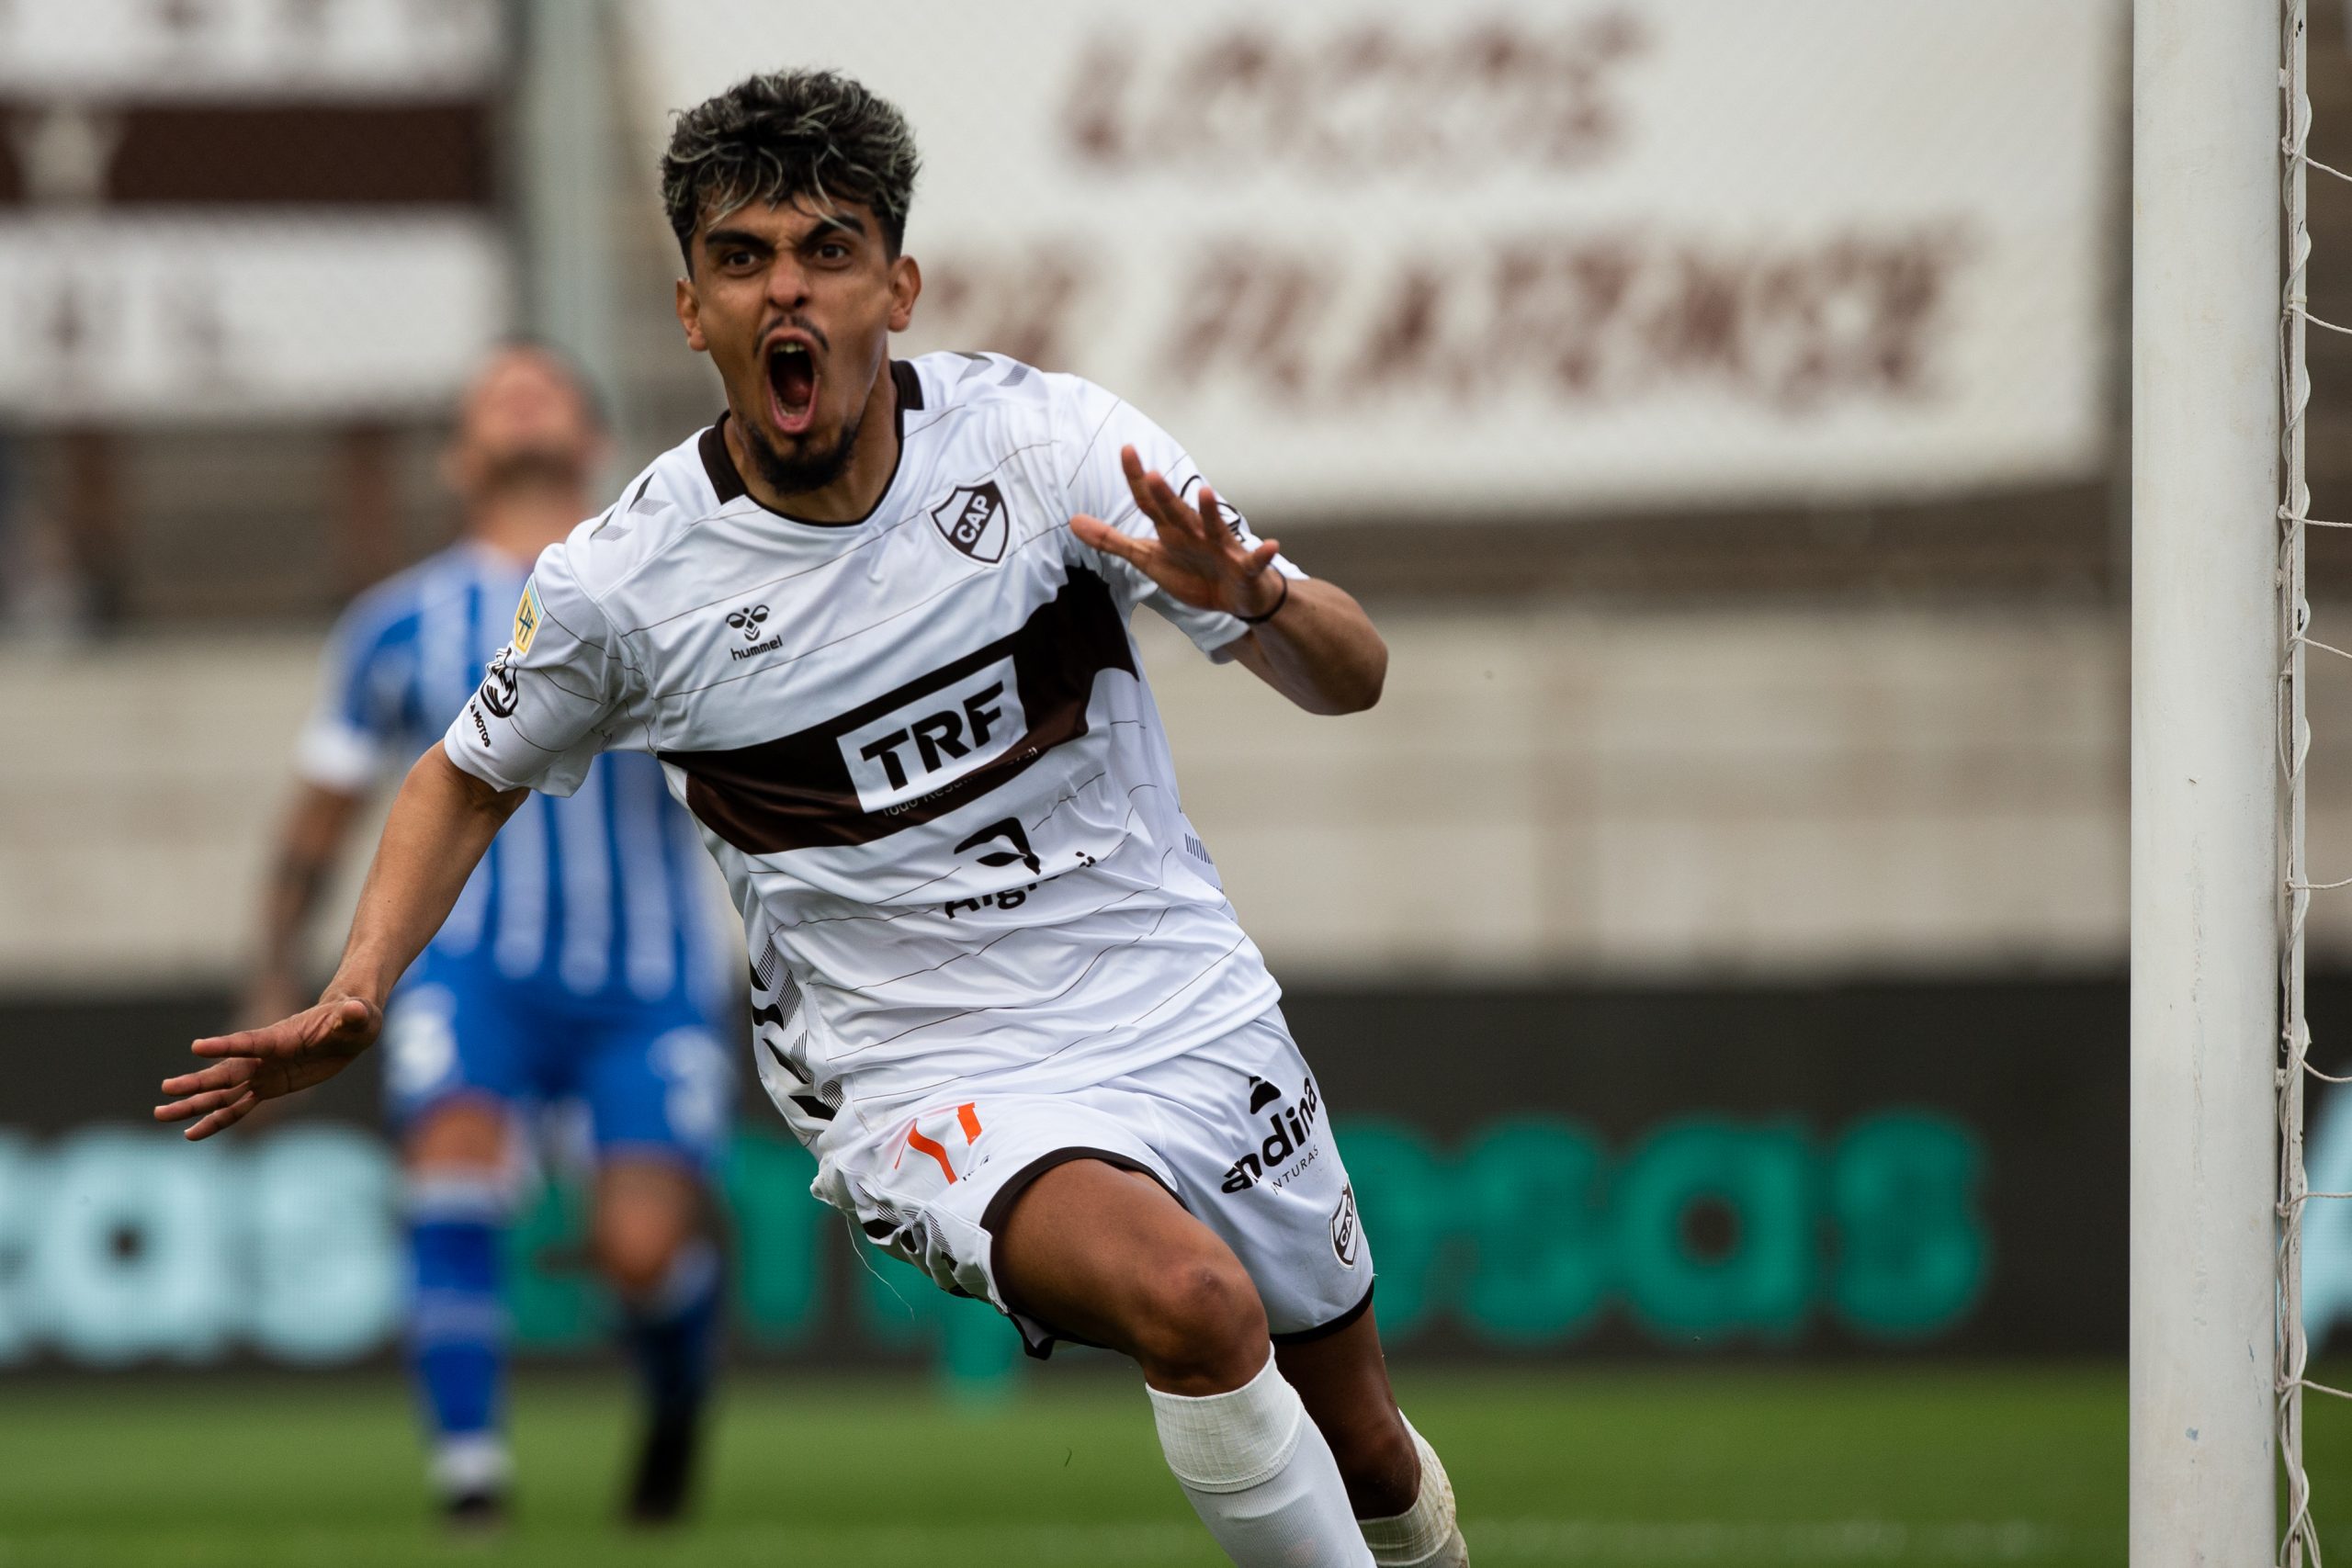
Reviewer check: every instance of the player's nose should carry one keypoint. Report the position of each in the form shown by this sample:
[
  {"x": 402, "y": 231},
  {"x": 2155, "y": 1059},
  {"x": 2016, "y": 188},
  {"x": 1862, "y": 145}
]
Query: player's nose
[{"x": 788, "y": 283}]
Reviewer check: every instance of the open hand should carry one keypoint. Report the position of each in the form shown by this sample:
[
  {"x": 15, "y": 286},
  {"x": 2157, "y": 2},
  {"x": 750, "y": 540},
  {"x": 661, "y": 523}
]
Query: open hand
[
  {"x": 1195, "y": 556},
  {"x": 278, "y": 1059}
]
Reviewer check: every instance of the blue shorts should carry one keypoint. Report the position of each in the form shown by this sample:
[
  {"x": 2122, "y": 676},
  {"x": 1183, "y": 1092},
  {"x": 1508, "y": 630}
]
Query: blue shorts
[{"x": 653, "y": 1076}]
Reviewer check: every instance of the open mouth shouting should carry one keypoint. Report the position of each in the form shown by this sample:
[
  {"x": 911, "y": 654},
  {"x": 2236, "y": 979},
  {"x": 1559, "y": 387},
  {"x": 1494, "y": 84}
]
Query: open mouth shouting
[{"x": 792, "y": 383}]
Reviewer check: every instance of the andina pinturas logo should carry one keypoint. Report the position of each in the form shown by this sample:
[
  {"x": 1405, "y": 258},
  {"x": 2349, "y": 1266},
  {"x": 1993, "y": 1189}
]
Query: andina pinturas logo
[{"x": 1283, "y": 1152}]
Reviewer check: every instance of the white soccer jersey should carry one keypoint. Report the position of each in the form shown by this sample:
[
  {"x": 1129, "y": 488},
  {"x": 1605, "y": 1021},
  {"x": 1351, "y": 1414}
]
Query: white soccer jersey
[{"x": 920, "y": 745}]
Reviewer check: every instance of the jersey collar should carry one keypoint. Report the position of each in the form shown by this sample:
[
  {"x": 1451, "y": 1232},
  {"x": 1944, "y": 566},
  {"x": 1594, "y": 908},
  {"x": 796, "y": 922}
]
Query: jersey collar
[{"x": 726, "y": 480}]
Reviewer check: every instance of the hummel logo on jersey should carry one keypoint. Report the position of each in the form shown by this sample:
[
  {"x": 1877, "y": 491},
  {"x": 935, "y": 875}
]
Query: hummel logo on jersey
[
  {"x": 973, "y": 520},
  {"x": 749, "y": 620},
  {"x": 1288, "y": 1148},
  {"x": 937, "y": 739}
]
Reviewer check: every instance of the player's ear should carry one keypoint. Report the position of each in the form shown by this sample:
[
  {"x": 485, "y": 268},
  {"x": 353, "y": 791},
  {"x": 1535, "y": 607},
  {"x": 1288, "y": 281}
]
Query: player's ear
[
  {"x": 689, "y": 305},
  {"x": 906, "y": 284}
]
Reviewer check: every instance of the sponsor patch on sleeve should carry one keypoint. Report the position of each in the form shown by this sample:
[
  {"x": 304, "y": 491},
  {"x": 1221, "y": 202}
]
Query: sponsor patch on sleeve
[{"x": 526, "y": 618}]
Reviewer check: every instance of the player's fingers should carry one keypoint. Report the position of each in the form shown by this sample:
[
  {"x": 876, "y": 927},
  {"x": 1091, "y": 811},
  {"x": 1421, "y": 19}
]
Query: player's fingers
[
  {"x": 193, "y": 1105},
  {"x": 221, "y": 1120},
  {"x": 1212, "y": 514},
  {"x": 1148, "y": 500},
  {"x": 1180, "y": 518},
  {"x": 1098, "y": 534},
  {"x": 1260, "y": 558},
  {"x": 266, "y": 1041},
  {"x": 221, "y": 1075},
  {"x": 292, "y": 1036},
  {"x": 1221, "y": 535},
  {"x": 1159, "y": 501}
]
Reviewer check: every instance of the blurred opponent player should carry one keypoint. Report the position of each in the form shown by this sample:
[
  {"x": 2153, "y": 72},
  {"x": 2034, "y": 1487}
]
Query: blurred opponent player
[
  {"x": 873, "y": 623},
  {"x": 575, "y": 966}
]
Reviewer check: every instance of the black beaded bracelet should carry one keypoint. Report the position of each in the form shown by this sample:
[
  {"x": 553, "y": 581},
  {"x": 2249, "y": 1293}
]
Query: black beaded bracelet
[{"x": 1262, "y": 620}]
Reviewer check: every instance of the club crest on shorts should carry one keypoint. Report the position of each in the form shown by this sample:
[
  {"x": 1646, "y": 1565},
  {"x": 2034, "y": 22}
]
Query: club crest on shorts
[
  {"x": 972, "y": 518},
  {"x": 1347, "y": 1237}
]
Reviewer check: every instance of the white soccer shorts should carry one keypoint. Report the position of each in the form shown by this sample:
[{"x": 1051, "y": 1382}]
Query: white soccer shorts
[{"x": 1236, "y": 1131}]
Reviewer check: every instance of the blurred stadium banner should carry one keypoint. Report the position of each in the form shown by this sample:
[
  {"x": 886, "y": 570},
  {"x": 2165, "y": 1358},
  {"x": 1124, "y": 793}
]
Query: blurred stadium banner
[
  {"x": 245, "y": 209},
  {"x": 1539, "y": 256},
  {"x": 1837, "y": 1171}
]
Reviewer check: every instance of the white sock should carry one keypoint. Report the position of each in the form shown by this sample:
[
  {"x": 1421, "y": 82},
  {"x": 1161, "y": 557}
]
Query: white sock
[
  {"x": 469, "y": 1462},
  {"x": 1425, "y": 1535},
  {"x": 1261, "y": 1475}
]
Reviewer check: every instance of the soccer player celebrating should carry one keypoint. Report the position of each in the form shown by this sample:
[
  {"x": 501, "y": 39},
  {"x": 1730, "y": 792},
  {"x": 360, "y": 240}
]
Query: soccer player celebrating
[
  {"x": 873, "y": 623},
  {"x": 573, "y": 966}
]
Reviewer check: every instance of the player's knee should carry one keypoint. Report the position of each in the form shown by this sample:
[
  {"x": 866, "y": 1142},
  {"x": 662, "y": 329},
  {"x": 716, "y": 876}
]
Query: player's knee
[
  {"x": 461, "y": 1134},
  {"x": 636, "y": 1243},
  {"x": 646, "y": 1213},
  {"x": 635, "y": 1253},
  {"x": 1203, "y": 1328}
]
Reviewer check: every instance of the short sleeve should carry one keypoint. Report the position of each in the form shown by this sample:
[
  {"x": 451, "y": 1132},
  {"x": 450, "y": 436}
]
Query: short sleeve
[
  {"x": 352, "y": 730},
  {"x": 1098, "y": 487},
  {"x": 552, "y": 695}
]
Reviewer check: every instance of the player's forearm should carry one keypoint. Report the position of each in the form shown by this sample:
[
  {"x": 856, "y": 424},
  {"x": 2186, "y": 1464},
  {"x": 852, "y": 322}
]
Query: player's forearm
[
  {"x": 441, "y": 823},
  {"x": 307, "y": 846},
  {"x": 1321, "y": 650}
]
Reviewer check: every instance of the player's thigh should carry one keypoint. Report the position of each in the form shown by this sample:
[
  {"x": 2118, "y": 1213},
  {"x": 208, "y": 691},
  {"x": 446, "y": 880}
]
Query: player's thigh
[
  {"x": 1056, "y": 1209},
  {"x": 446, "y": 1078},
  {"x": 660, "y": 1093},
  {"x": 1100, "y": 1253},
  {"x": 658, "y": 1085}
]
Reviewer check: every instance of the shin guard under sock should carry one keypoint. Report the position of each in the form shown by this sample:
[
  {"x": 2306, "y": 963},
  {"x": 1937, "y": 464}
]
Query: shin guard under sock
[{"x": 1259, "y": 1475}]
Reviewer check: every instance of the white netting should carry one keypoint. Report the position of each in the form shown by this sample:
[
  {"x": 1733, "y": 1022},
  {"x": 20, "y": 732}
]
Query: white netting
[{"x": 2298, "y": 1541}]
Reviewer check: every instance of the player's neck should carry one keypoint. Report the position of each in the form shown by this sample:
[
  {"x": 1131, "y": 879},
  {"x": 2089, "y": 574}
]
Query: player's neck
[
  {"x": 521, "y": 523},
  {"x": 854, "y": 493}
]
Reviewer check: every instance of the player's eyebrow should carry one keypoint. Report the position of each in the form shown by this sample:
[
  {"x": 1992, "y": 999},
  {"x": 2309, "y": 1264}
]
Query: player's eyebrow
[
  {"x": 829, "y": 223},
  {"x": 718, "y": 238}
]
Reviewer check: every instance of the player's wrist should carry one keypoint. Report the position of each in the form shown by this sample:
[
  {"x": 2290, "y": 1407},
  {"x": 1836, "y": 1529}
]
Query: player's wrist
[
  {"x": 361, "y": 987},
  {"x": 1262, "y": 598}
]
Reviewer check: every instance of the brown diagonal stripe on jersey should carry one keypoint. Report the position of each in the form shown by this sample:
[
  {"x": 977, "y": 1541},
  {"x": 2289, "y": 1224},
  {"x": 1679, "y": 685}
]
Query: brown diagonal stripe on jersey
[{"x": 794, "y": 792}]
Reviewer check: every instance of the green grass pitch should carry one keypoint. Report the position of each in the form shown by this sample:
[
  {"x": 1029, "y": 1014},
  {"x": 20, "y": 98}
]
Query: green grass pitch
[{"x": 1957, "y": 1465}]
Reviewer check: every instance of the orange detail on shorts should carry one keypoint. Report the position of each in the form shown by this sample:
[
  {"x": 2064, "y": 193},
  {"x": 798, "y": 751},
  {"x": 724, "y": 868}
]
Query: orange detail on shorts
[
  {"x": 921, "y": 1144},
  {"x": 971, "y": 1123}
]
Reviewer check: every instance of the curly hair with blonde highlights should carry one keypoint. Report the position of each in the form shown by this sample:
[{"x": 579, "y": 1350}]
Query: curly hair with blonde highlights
[{"x": 789, "y": 136}]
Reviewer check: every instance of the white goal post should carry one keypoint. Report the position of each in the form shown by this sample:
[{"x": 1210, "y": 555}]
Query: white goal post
[{"x": 2208, "y": 648}]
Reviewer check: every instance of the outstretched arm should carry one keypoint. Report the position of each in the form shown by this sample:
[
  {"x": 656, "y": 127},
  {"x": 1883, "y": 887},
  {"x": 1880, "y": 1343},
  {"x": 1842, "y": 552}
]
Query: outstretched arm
[
  {"x": 441, "y": 822},
  {"x": 1308, "y": 640}
]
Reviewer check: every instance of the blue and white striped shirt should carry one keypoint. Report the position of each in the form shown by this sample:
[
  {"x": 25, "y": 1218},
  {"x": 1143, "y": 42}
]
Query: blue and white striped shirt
[{"x": 597, "y": 893}]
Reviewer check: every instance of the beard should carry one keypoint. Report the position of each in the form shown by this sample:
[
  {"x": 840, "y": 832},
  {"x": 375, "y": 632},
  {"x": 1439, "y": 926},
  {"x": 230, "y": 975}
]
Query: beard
[
  {"x": 532, "y": 468},
  {"x": 810, "y": 471}
]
